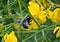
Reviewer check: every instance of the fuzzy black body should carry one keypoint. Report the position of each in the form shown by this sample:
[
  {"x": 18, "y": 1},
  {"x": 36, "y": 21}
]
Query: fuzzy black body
[{"x": 26, "y": 22}]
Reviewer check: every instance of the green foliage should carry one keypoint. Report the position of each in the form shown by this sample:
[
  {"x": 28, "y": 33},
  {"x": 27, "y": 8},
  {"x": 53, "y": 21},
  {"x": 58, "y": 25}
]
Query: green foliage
[{"x": 19, "y": 8}]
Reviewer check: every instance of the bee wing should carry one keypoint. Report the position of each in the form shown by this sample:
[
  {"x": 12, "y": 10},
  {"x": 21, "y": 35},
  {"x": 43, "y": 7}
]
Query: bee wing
[
  {"x": 18, "y": 21},
  {"x": 26, "y": 23}
]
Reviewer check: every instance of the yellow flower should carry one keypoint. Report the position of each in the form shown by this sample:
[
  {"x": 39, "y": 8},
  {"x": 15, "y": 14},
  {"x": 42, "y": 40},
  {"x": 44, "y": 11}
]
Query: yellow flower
[
  {"x": 42, "y": 16},
  {"x": 57, "y": 31},
  {"x": 16, "y": 26},
  {"x": 5, "y": 36},
  {"x": 49, "y": 14},
  {"x": 10, "y": 37},
  {"x": 55, "y": 18},
  {"x": 34, "y": 9},
  {"x": 33, "y": 25},
  {"x": 37, "y": 12},
  {"x": 58, "y": 34},
  {"x": 56, "y": 15}
]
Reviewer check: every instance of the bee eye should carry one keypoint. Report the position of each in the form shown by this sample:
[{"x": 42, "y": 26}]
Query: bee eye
[{"x": 25, "y": 24}]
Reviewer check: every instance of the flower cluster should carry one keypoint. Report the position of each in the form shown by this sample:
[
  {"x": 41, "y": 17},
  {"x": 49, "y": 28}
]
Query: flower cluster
[
  {"x": 37, "y": 12},
  {"x": 41, "y": 16}
]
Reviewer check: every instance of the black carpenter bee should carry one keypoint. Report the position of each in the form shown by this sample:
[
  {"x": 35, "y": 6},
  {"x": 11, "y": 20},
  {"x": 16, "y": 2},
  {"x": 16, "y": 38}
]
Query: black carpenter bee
[{"x": 26, "y": 22}]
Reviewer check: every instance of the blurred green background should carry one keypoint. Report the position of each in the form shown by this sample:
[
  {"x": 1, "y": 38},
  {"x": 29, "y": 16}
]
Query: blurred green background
[{"x": 20, "y": 8}]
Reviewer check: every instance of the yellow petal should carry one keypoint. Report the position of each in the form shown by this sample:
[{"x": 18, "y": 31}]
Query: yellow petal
[
  {"x": 33, "y": 8},
  {"x": 58, "y": 34},
  {"x": 12, "y": 37},
  {"x": 34, "y": 25},
  {"x": 5, "y": 36},
  {"x": 56, "y": 16},
  {"x": 49, "y": 14},
  {"x": 42, "y": 16},
  {"x": 55, "y": 29}
]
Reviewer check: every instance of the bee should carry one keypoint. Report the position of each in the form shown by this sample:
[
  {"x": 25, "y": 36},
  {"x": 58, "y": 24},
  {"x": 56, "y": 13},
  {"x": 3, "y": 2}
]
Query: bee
[
  {"x": 57, "y": 32},
  {"x": 26, "y": 22}
]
